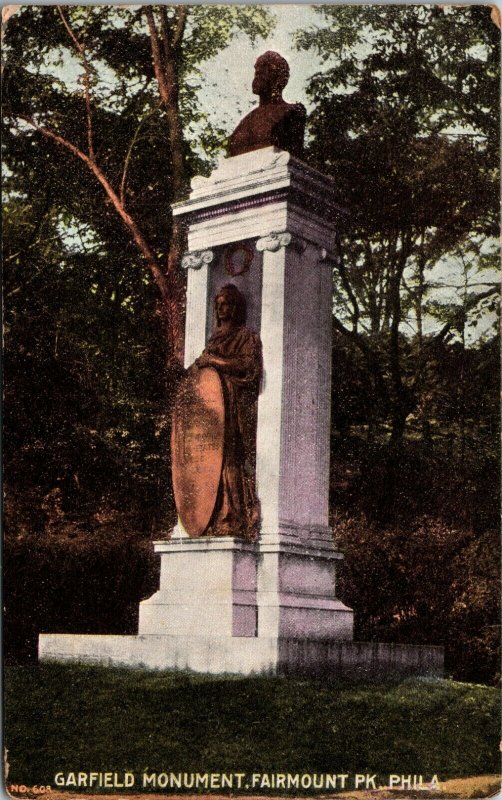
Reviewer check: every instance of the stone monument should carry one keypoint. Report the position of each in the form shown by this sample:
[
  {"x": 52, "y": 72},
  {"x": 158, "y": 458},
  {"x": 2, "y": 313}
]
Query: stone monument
[{"x": 248, "y": 577}]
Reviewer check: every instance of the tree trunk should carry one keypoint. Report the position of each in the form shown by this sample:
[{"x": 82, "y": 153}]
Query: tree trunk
[
  {"x": 401, "y": 406},
  {"x": 399, "y": 414},
  {"x": 165, "y": 55}
]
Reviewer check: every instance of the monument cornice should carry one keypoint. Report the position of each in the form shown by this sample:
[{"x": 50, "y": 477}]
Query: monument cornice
[
  {"x": 257, "y": 220},
  {"x": 204, "y": 544},
  {"x": 257, "y": 179}
]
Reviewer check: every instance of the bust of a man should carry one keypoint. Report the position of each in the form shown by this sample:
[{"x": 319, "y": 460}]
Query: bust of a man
[{"x": 273, "y": 122}]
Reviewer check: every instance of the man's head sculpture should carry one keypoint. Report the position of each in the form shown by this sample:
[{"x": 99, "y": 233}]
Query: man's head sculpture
[
  {"x": 274, "y": 122},
  {"x": 236, "y": 300},
  {"x": 271, "y": 74}
]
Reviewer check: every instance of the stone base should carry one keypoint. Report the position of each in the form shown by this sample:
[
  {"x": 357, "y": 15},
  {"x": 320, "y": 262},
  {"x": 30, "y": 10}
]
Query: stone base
[
  {"x": 229, "y": 606},
  {"x": 206, "y": 585},
  {"x": 218, "y": 655},
  {"x": 282, "y": 586}
]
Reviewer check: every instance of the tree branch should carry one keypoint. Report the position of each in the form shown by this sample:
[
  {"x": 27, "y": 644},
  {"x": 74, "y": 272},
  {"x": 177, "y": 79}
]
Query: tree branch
[
  {"x": 172, "y": 38},
  {"x": 128, "y": 221},
  {"x": 87, "y": 80},
  {"x": 370, "y": 356},
  {"x": 165, "y": 69},
  {"x": 400, "y": 394},
  {"x": 165, "y": 33},
  {"x": 80, "y": 47},
  {"x": 129, "y": 154},
  {"x": 156, "y": 56},
  {"x": 180, "y": 26},
  {"x": 346, "y": 283}
]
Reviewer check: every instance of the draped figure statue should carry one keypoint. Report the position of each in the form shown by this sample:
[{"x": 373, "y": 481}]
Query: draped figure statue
[{"x": 234, "y": 353}]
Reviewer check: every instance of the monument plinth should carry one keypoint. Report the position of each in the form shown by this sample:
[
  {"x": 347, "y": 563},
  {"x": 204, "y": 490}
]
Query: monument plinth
[{"x": 265, "y": 222}]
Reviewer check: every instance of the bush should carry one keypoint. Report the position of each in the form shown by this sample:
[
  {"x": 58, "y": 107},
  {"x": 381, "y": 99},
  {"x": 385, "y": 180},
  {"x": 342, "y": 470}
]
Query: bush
[
  {"x": 428, "y": 582},
  {"x": 73, "y": 577}
]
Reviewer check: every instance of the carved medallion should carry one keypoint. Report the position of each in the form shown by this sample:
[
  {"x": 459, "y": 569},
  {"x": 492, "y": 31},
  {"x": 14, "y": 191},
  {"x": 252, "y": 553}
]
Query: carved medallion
[{"x": 197, "y": 447}]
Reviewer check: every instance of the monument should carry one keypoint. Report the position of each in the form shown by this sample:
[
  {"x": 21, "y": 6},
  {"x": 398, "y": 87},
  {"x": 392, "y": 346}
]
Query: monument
[{"x": 248, "y": 577}]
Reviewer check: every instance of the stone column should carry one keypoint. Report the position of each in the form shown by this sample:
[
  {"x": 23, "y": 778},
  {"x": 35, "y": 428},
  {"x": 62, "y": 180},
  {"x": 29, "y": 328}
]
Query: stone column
[
  {"x": 296, "y": 576},
  {"x": 294, "y": 406},
  {"x": 196, "y": 302},
  {"x": 270, "y": 422}
]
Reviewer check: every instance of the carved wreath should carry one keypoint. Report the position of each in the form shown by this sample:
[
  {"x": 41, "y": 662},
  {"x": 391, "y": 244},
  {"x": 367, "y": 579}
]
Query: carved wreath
[{"x": 231, "y": 267}]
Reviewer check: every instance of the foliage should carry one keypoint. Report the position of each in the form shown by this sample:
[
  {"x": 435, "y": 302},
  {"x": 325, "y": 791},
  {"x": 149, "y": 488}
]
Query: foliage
[
  {"x": 421, "y": 541},
  {"x": 244, "y": 725},
  {"x": 455, "y": 455},
  {"x": 75, "y": 578},
  {"x": 428, "y": 582},
  {"x": 77, "y": 331},
  {"x": 405, "y": 120},
  {"x": 127, "y": 141}
]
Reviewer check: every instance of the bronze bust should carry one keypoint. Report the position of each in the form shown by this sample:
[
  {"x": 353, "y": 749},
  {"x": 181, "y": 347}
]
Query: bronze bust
[{"x": 273, "y": 122}]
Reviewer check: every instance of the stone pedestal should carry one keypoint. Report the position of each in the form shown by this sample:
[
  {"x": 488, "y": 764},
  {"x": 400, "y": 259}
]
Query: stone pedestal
[
  {"x": 229, "y": 587},
  {"x": 265, "y": 222},
  {"x": 206, "y": 585}
]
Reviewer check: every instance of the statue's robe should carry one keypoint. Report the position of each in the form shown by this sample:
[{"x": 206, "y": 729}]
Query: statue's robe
[{"x": 236, "y": 511}]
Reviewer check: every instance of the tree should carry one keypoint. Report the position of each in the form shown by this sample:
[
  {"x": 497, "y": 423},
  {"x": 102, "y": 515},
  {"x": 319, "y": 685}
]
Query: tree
[
  {"x": 102, "y": 129},
  {"x": 404, "y": 119},
  {"x": 426, "y": 582}
]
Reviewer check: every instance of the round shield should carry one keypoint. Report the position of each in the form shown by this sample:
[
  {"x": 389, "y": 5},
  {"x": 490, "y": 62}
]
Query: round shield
[{"x": 197, "y": 436}]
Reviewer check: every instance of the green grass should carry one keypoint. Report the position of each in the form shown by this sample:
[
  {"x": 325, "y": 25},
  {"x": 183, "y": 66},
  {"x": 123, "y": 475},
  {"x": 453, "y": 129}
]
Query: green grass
[{"x": 71, "y": 718}]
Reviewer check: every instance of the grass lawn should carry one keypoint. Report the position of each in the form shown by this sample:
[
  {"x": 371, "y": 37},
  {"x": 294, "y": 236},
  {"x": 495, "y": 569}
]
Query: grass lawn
[{"x": 71, "y": 718}]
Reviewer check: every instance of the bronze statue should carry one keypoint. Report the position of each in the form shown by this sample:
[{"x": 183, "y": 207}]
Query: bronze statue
[
  {"x": 273, "y": 122},
  {"x": 214, "y": 429}
]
